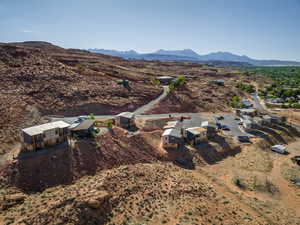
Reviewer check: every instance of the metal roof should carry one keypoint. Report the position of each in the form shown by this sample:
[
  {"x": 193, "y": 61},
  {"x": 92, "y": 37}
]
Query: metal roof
[
  {"x": 280, "y": 147},
  {"x": 257, "y": 119},
  {"x": 209, "y": 124},
  {"x": 196, "y": 130},
  {"x": 86, "y": 124},
  {"x": 128, "y": 115},
  {"x": 247, "y": 110},
  {"x": 172, "y": 124},
  {"x": 266, "y": 117},
  {"x": 194, "y": 122},
  {"x": 172, "y": 132},
  {"x": 35, "y": 130},
  {"x": 165, "y": 77}
]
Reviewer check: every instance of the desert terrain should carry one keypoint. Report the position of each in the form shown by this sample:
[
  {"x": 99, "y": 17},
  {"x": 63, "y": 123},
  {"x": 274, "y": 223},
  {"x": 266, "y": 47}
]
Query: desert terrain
[{"x": 127, "y": 177}]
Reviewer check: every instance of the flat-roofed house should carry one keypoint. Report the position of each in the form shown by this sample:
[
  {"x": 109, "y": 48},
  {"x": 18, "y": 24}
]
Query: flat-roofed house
[
  {"x": 248, "y": 125},
  {"x": 266, "y": 120},
  {"x": 211, "y": 128},
  {"x": 188, "y": 123},
  {"x": 258, "y": 121},
  {"x": 195, "y": 135},
  {"x": 84, "y": 129},
  {"x": 246, "y": 103},
  {"x": 125, "y": 120},
  {"x": 45, "y": 135},
  {"x": 218, "y": 82},
  {"x": 277, "y": 118},
  {"x": 165, "y": 80},
  {"x": 171, "y": 124},
  {"x": 248, "y": 112},
  {"x": 171, "y": 138}
]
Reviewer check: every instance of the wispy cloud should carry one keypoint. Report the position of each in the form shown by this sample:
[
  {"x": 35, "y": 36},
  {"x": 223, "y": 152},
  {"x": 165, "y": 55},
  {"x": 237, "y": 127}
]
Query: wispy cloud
[{"x": 26, "y": 31}]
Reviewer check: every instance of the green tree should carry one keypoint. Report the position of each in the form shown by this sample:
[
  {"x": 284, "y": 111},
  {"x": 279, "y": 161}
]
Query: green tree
[
  {"x": 91, "y": 116},
  {"x": 109, "y": 124}
]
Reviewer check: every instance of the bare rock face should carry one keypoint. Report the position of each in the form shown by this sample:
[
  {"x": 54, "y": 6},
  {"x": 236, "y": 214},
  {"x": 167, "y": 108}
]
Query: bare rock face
[
  {"x": 9, "y": 200},
  {"x": 95, "y": 200}
]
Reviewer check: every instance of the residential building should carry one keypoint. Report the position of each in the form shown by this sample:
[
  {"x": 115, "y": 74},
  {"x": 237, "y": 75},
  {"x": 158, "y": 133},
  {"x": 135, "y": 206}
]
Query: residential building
[
  {"x": 277, "y": 119},
  {"x": 211, "y": 128},
  {"x": 125, "y": 120},
  {"x": 249, "y": 112},
  {"x": 171, "y": 125},
  {"x": 218, "y": 82},
  {"x": 171, "y": 138},
  {"x": 188, "y": 123},
  {"x": 195, "y": 135},
  {"x": 84, "y": 129},
  {"x": 258, "y": 121},
  {"x": 45, "y": 135},
  {"x": 165, "y": 80},
  {"x": 266, "y": 120},
  {"x": 246, "y": 103},
  {"x": 248, "y": 125}
]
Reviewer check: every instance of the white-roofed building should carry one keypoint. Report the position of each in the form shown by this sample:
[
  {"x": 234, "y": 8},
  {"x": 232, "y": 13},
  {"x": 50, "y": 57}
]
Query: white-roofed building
[
  {"x": 45, "y": 135},
  {"x": 195, "y": 135},
  {"x": 125, "y": 120},
  {"x": 171, "y": 138}
]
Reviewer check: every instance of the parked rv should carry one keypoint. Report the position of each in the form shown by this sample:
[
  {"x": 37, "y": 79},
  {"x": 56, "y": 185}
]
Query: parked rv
[{"x": 279, "y": 149}]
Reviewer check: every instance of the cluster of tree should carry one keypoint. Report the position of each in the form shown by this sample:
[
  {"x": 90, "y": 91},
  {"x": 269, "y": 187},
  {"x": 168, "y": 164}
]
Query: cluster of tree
[
  {"x": 179, "y": 81},
  {"x": 246, "y": 87},
  {"x": 288, "y": 76},
  {"x": 236, "y": 102},
  {"x": 277, "y": 91},
  {"x": 291, "y": 105}
]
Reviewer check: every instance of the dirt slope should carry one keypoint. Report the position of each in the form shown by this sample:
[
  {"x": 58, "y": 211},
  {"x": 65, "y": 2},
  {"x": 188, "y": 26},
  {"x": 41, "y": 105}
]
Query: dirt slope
[
  {"x": 39, "y": 77},
  {"x": 144, "y": 193}
]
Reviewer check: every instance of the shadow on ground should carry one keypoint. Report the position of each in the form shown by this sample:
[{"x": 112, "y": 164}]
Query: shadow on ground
[{"x": 212, "y": 155}]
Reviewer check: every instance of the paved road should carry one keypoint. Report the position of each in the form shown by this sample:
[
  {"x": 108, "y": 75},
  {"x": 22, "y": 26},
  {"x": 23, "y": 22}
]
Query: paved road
[
  {"x": 229, "y": 118},
  {"x": 148, "y": 106},
  {"x": 259, "y": 107}
]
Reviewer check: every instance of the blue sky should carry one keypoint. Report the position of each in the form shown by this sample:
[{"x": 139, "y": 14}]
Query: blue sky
[{"x": 262, "y": 29}]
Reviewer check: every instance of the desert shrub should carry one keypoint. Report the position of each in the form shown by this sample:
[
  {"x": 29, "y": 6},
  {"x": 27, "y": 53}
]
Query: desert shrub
[
  {"x": 109, "y": 124},
  {"x": 154, "y": 82},
  {"x": 239, "y": 183},
  {"x": 246, "y": 87},
  {"x": 81, "y": 67},
  {"x": 235, "y": 102},
  {"x": 91, "y": 116}
]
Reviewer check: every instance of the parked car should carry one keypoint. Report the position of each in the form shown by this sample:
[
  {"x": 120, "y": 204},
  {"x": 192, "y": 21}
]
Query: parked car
[
  {"x": 296, "y": 159},
  {"x": 220, "y": 117},
  {"x": 81, "y": 119},
  {"x": 224, "y": 127},
  {"x": 243, "y": 138},
  {"x": 237, "y": 118}
]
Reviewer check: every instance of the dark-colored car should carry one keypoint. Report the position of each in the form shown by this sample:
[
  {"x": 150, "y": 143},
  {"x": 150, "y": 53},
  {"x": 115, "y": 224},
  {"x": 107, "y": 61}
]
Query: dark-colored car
[
  {"x": 224, "y": 127},
  {"x": 243, "y": 138},
  {"x": 296, "y": 159},
  {"x": 220, "y": 117}
]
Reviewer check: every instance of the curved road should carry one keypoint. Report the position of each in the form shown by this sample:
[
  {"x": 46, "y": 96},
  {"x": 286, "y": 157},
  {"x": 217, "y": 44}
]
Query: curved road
[{"x": 149, "y": 106}]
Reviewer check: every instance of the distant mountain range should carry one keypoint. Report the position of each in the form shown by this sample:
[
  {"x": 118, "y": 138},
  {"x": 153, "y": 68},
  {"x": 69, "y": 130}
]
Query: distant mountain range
[{"x": 190, "y": 55}]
